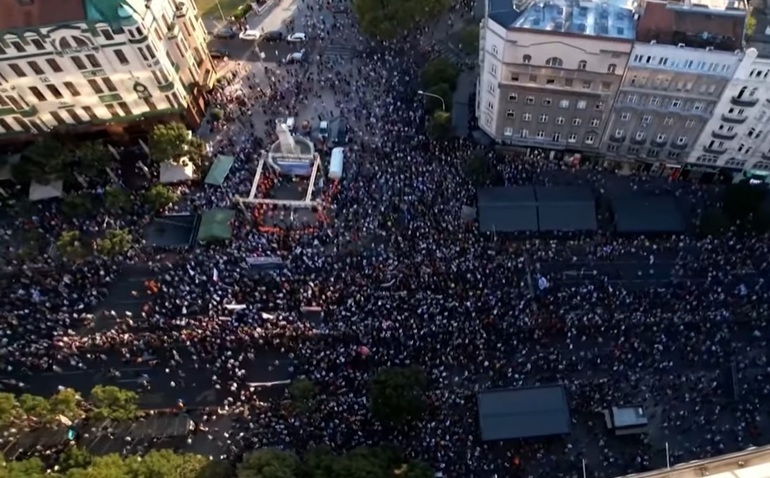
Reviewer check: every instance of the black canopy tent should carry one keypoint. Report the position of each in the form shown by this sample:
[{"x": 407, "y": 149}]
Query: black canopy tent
[
  {"x": 565, "y": 209},
  {"x": 507, "y": 209},
  {"x": 508, "y": 413},
  {"x": 647, "y": 214}
]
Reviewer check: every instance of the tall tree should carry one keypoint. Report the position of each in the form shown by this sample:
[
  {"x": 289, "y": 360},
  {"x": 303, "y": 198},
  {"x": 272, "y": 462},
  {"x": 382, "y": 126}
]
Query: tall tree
[
  {"x": 159, "y": 197},
  {"x": 389, "y": 19},
  {"x": 44, "y": 160},
  {"x": 268, "y": 463},
  {"x": 398, "y": 394},
  {"x": 168, "y": 142},
  {"x": 114, "y": 403},
  {"x": 114, "y": 243},
  {"x": 9, "y": 408},
  {"x": 92, "y": 159},
  {"x": 66, "y": 402},
  {"x": 302, "y": 392},
  {"x": 35, "y": 407}
]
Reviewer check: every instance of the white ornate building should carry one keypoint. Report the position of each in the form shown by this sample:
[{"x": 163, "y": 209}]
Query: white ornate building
[{"x": 93, "y": 64}]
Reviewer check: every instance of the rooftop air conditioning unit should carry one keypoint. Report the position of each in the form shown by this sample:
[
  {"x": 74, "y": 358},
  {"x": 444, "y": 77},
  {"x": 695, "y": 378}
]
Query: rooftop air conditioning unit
[{"x": 681, "y": 45}]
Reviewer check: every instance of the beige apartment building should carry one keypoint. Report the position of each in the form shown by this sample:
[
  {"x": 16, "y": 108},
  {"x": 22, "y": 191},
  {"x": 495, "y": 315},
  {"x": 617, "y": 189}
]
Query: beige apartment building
[
  {"x": 550, "y": 71},
  {"x": 83, "y": 65}
]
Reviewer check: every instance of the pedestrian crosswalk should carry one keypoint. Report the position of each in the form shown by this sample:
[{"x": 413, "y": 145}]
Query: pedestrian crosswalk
[
  {"x": 340, "y": 51},
  {"x": 448, "y": 52}
]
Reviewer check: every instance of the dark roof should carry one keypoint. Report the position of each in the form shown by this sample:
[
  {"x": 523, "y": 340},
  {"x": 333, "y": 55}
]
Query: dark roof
[
  {"x": 503, "y": 12},
  {"x": 40, "y": 12},
  {"x": 111, "y": 437},
  {"x": 541, "y": 208},
  {"x": 508, "y": 218},
  {"x": 172, "y": 231},
  {"x": 760, "y": 40},
  {"x": 640, "y": 214},
  {"x": 523, "y": 412},
  {"x": 700, "y": 27}
]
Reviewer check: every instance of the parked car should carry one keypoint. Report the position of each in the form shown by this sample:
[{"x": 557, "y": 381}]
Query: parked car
[
  {"x": 217, "y": 53},
  {"x": 342, "y": 132},
  {"x": 296, "y": 57},
  {"x": 249, "y": 35},
  {"x": 297, "y": 37},
  {"x": 323, "y": 130},
  {"x": 272, "y": 36},
  {"x": 226, "y": 33}
]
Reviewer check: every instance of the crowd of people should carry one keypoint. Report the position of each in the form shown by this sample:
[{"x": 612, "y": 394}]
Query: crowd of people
[{"x": 398, "y": 270}]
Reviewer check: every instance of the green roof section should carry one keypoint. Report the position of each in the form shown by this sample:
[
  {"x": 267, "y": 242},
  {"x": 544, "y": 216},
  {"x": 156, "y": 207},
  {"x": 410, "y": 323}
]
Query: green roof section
[
  {"x": 113, "y": 12},
  {"x": 219, "y": 170},
  {"x": 216, "y": 225}
]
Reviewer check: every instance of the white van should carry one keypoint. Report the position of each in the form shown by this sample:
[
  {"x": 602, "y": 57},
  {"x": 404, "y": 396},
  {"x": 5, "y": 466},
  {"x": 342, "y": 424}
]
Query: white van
[
  {"x": 290, "y": 123},
  {"x": 336, "y": 163}
]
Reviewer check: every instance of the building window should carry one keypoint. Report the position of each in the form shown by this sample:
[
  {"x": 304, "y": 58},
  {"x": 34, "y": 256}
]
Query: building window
[
  {"x": 661, "y": 138},
  {"x": 668, "y": 121},
  {"x": 632, "y": 99},
  {"x": 564, "y": 104},
  {"x": 619, "y": 133},
  {"x": 698, "y": 106},
  {"x": 533, "y": 78},
  {"x": 23, "y": 124},
  {"x": 595, "y": 122},
  {"x": 543, "y": 118},
  {"x": 93, "y": 61},
  {"x": 633, "y": 150},
  {"x": 524, "y": 133},
  {"x": 14, "y": 102},
  {"x": 640, "y": 135},
  {"x": 112, "y": 110},
  {"x": 582, "y": 65},
  {"x": 95, "y": 86},
  {"x": 568, "y": 82},
  {"x": 511, "y": 96},
  {"x": 572, "y": 138},
  {"x": 55, "y": 91},
  {"x": 17, "y": 70},
  {"x": 495, "y": 51},
  {"x": 54, "y": 65},
  {"x": 581, "y": 104},
  {"x": 39, "y": 45},
  {"x": 541, "y": 134},
  {"x": 606, "y": 86},
  {"x": 590, "y": 139},
  {"x": 652, "y": 153},
  {"x": 676, "y": 103},
  {"x": 625, "y": 116},
  {"x": 90, "y": 112},
  {"x": 526, "y": 59},
  {"x": 646, "y": 119},
  {"x": 6, "y": 126},
  {"x": 577, "y": 122},
  {"x": 681, "y": 140},
  {"x": 510, "y": 114},
  {"x": 524, "y": 117},
  {"x": 554, "y": 61},
  {"x": 71, "y": 88},
  {"x": 74, "y": 115},
  {"x": 110, "y": 85},
  {"x": 556, "y": 137},
  {"x": 35, "y": 68},
  {"x": 612, "y": 148},
  {"x": 530, "y": 100},
  {"x": 37, "y": 93},
  {"x": 611, "y": 68},
  {"x": 674, "y": 154},
  {"x": 587, "y": 85},
  {"x": 121, "y": 56},
  {"x": 547, "y": 102},
  {"x": 508, "y": 131},
  {"x": 124, "y": 108},
  {"x": 58, "y": 118},
  {"x": 560, "y": 120},
  {"x": 550, "y": 81},
  {"x": 18, "y": 46},
  {"x": 107, "y": 34},
  {"x": 490, "y": 105},
  {"x": 599, "y": 105},
  {"x": 78, "y": 63},
  {"x": 654, "y": 101}
]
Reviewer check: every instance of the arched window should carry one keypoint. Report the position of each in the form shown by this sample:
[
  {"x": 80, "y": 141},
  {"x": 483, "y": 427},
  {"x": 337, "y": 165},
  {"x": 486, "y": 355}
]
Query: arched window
[
  {"x": 80, "y": 42},
  {"x": 611, "y": 68},
  {"x": 554, "y": 61},
  {"x": 64, "y": 44},
  {"x": 582, "y": 64},
  {"x": 527, "y": 59},
  {"x": 742, "y": 92}
]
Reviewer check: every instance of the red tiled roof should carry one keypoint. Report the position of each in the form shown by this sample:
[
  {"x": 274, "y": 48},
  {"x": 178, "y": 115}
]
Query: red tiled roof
[{"x": 15, "y": 14}]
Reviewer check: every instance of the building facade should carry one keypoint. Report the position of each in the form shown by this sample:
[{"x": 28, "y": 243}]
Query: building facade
[
  {"x": 737, "y": 136},
  {"x": 682, "y": 61},
  {"x": 550, "y": 71},
  {"x": 79, "y": 65}
]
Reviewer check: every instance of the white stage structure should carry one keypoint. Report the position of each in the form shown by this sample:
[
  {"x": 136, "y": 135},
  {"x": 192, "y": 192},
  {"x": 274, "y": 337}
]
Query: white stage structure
[{"x": 282, "y": 157}]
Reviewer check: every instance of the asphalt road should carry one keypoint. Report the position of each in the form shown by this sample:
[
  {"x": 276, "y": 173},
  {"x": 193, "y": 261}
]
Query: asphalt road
[{"x": 245, "y": 50}]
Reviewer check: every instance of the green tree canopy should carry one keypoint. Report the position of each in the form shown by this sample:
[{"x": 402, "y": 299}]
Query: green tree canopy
[
  {"x": 398, "y": 394},
  {"x": 35, "y": 408},
  {"x": 114, "y": 243},
  {"x": 74, "y": 457},
  {"x": 434, "y": 104},
  {"x": 159, "y": 197},
  {"x": 302, "y": 392},
  {"x": 389, "y": 19},
  {"x": 44, "y": 160},
  {"x": 440, "y": 125},
  {"x": 117, "y": 199},
  {"x": 114, "y": 403},
  {"x": 107, "y": 466},
  {"x": 9, "y": 408},
  {"x": 92, "y": 159},
  {"x": 77, "y": 205},
  {"x": 31, "y": 468},
  {"x": 168, "y": 142},
  {"x": 268, "y": 463},
  {"x": 439, "y": 72},
  {"x": 318, "y": 462},
  {"x": 71, "y": 246},
  {"x": 66, "y": 402}
]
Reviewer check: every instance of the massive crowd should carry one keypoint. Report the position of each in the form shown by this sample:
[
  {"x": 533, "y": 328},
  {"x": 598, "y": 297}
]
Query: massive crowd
[{"x": 400, "y": 272}]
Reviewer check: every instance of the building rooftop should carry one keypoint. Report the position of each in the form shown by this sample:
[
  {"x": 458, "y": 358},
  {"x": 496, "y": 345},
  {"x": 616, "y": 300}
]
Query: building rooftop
[
  {"x": 717, "y": 24},
  {"x": 21, "y": 14},
  {"x": 751, "y": 463},
  {"x": 760, "y": 40},
  {"x": 610, "y": 18}
]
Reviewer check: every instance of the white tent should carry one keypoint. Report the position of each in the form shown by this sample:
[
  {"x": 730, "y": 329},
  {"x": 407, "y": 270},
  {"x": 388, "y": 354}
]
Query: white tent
[
  {"x": 39, "y": 192},
  {"x": 176, "y": 173}
]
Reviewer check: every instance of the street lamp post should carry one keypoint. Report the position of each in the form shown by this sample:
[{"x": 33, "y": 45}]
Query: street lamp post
[
  {"x": 425, "y": 93},
  {"x": 219, "y": 6}
]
